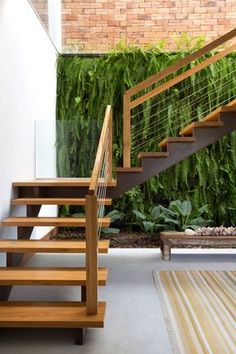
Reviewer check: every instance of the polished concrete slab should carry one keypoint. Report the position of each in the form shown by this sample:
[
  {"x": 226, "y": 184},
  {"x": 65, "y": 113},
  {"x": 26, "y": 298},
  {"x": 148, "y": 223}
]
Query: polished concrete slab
[{"x": 134, "y": 320}]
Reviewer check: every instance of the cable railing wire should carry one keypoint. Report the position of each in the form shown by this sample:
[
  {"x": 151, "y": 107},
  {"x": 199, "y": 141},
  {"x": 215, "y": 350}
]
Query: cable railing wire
[
  {"x": 102, "y": 187},
  {"x": 189, "y": 86},
  {"x": 178, "y": 112},
  {"x": 176, "y": 127},
  {"x": 163, "y": 134},
  {"x": 199, "y": 98},
  {"x": 181, "y": 100}
]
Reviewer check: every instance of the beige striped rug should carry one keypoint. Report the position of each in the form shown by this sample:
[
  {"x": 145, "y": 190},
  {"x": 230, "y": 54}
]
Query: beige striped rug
[{"x": 199, "y": 309}]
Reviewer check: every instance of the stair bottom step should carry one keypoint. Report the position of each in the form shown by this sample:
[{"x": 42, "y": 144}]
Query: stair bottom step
[{"x": 49, "y": 314}]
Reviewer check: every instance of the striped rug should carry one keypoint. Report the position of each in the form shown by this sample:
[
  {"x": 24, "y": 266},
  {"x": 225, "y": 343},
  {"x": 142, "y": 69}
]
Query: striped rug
[{"x": 199, "y": 309}]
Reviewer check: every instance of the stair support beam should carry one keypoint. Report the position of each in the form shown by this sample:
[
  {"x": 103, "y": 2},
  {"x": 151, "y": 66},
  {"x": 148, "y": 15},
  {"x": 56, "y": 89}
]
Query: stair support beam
[
  {"x": 23, "y": 233},
  {"x": 177, "y": 152}
]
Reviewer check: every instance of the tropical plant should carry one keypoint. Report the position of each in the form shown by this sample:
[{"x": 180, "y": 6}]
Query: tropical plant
[
  {"x": 178, "y": 216},
  {"x": 151, "y": 221},
  {"x": 114, "y": 215},
  {"x": 181, "y": 215}
]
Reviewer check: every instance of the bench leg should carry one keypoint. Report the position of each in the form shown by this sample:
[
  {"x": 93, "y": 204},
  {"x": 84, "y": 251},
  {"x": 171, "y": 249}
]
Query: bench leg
[
  {"x": 166, "y": 252},
  {"x": 80, "y": 336},
  {"x": 161, "y": 246}
]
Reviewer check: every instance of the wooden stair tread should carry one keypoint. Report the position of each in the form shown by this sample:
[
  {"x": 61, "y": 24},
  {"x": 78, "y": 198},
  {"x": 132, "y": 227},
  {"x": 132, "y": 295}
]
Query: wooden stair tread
[
  {"x": 214, "y": 116},
  {"x": 59, "y": 182},
  {"x": 208, "y": 124},
  {"x": 51, "y": 221},
  {"x": 166, "y": 141},
  {"x": 129, "y": 169},
  {"x": 51, "y": 246},
  {"x": 54, "y": 201},
  {"x": 142, "y": 155},
  {"x": 228, "y": 109},
  {"x": 48, "y": 276},
  {"x": 231, "y": 103},
  {"x": 49, "y": 314}
]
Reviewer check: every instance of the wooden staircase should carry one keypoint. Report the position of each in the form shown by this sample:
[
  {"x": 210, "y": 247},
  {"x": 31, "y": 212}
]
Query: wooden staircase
[
  {"x": 193, "y": 138},
  {"x": 88, "y": 312}
]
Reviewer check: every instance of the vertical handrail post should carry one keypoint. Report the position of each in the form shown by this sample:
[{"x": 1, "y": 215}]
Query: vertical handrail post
[
  {"x": 126, "y": 131},
  {"x": 91, "y": 255}
]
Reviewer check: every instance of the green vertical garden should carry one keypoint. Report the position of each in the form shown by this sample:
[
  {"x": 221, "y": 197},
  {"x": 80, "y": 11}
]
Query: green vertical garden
[{"x": 87, "y": 84}]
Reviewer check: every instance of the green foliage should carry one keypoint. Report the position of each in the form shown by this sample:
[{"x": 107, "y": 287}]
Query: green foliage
[
  {"x": 178, "y": 216},
  {"x": 115, "y": 216},
  {"x": 87, "y": 85},
  {"x": 151, "y": 221},
  {"x": 188, "y": 42}
]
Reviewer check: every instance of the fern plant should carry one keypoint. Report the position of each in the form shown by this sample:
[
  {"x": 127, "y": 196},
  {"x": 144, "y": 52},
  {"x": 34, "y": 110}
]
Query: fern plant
[{"x": 86, "y": 85}]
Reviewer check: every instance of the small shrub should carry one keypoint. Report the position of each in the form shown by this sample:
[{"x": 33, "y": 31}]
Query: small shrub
[{"x": 178, "y": 216}]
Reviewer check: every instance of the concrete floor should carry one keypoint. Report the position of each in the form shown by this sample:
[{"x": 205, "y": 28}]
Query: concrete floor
[{"x": 134, "y": 321}]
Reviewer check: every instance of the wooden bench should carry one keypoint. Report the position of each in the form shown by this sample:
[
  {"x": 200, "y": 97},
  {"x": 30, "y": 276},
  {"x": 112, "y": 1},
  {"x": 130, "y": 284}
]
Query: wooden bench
[{"x": 180, "y": 239}]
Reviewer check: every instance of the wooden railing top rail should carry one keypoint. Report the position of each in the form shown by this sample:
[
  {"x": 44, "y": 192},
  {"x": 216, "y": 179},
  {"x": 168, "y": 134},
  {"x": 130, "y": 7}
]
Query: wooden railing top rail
[
  {"x": 182, "y": 76},
  {"x": 106, "y": 129},
  {"x": 180, "y": 64}
]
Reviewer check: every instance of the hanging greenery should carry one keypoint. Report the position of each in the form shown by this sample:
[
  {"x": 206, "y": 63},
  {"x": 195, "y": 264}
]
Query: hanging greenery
[{"x": 87, "y": 85}]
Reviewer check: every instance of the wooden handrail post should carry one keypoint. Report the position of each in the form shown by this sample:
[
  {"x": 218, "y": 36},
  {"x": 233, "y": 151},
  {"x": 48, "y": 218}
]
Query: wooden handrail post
[
  {"x": 126, "y": 131},
  {"x": 110, "y": 162},
  {"x": 91, "y": 254}
]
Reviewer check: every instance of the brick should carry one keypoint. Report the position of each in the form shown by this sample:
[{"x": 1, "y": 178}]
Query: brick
[{"x": 101, "y": 23}]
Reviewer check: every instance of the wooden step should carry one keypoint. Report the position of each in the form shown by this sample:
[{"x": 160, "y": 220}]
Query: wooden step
[
  {"x": 59, "y": 182},
  {"x": 56, "y": 246},
  {"x": 49, "y": 314},
  {"x": 232, "y": 103},
  {"x": 228, "y": 109},
  {"x": 129, "y": 169},
  {"x": 189, "y": 129},
  {"x": 48, "y": 276},
  {"x": 166, "y": 141},
  {"x": 51, "y": 221},
  {"x": 142, "y": 155},
  {"x": 214, "y": 116},
  {"x": 55, "y": 201}
]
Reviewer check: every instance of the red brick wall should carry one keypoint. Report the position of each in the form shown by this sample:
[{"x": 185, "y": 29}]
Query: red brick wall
[{"x": 97, "y": 25}]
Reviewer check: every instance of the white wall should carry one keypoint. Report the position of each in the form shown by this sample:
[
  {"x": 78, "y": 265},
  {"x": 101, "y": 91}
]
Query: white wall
[
  {"x": 54, "y": 22},
  {"x": 27, "y": 93}
]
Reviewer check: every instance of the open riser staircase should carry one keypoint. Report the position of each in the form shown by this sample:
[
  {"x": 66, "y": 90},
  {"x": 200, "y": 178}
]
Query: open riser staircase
[
  {"x": 200, "y": 130},
  {"x": 94, "y": 193},
  {"x": 176, "y": 149},
  {"x": 87, "y": 192}
]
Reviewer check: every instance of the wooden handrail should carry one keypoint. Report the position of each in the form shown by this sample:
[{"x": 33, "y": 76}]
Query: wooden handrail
[
  {"x": 181, "y": 63},
  {"x": 128, "y": 104},
  {"x": 182, "y": 76},
  {"x": 106, "y": 133}
]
